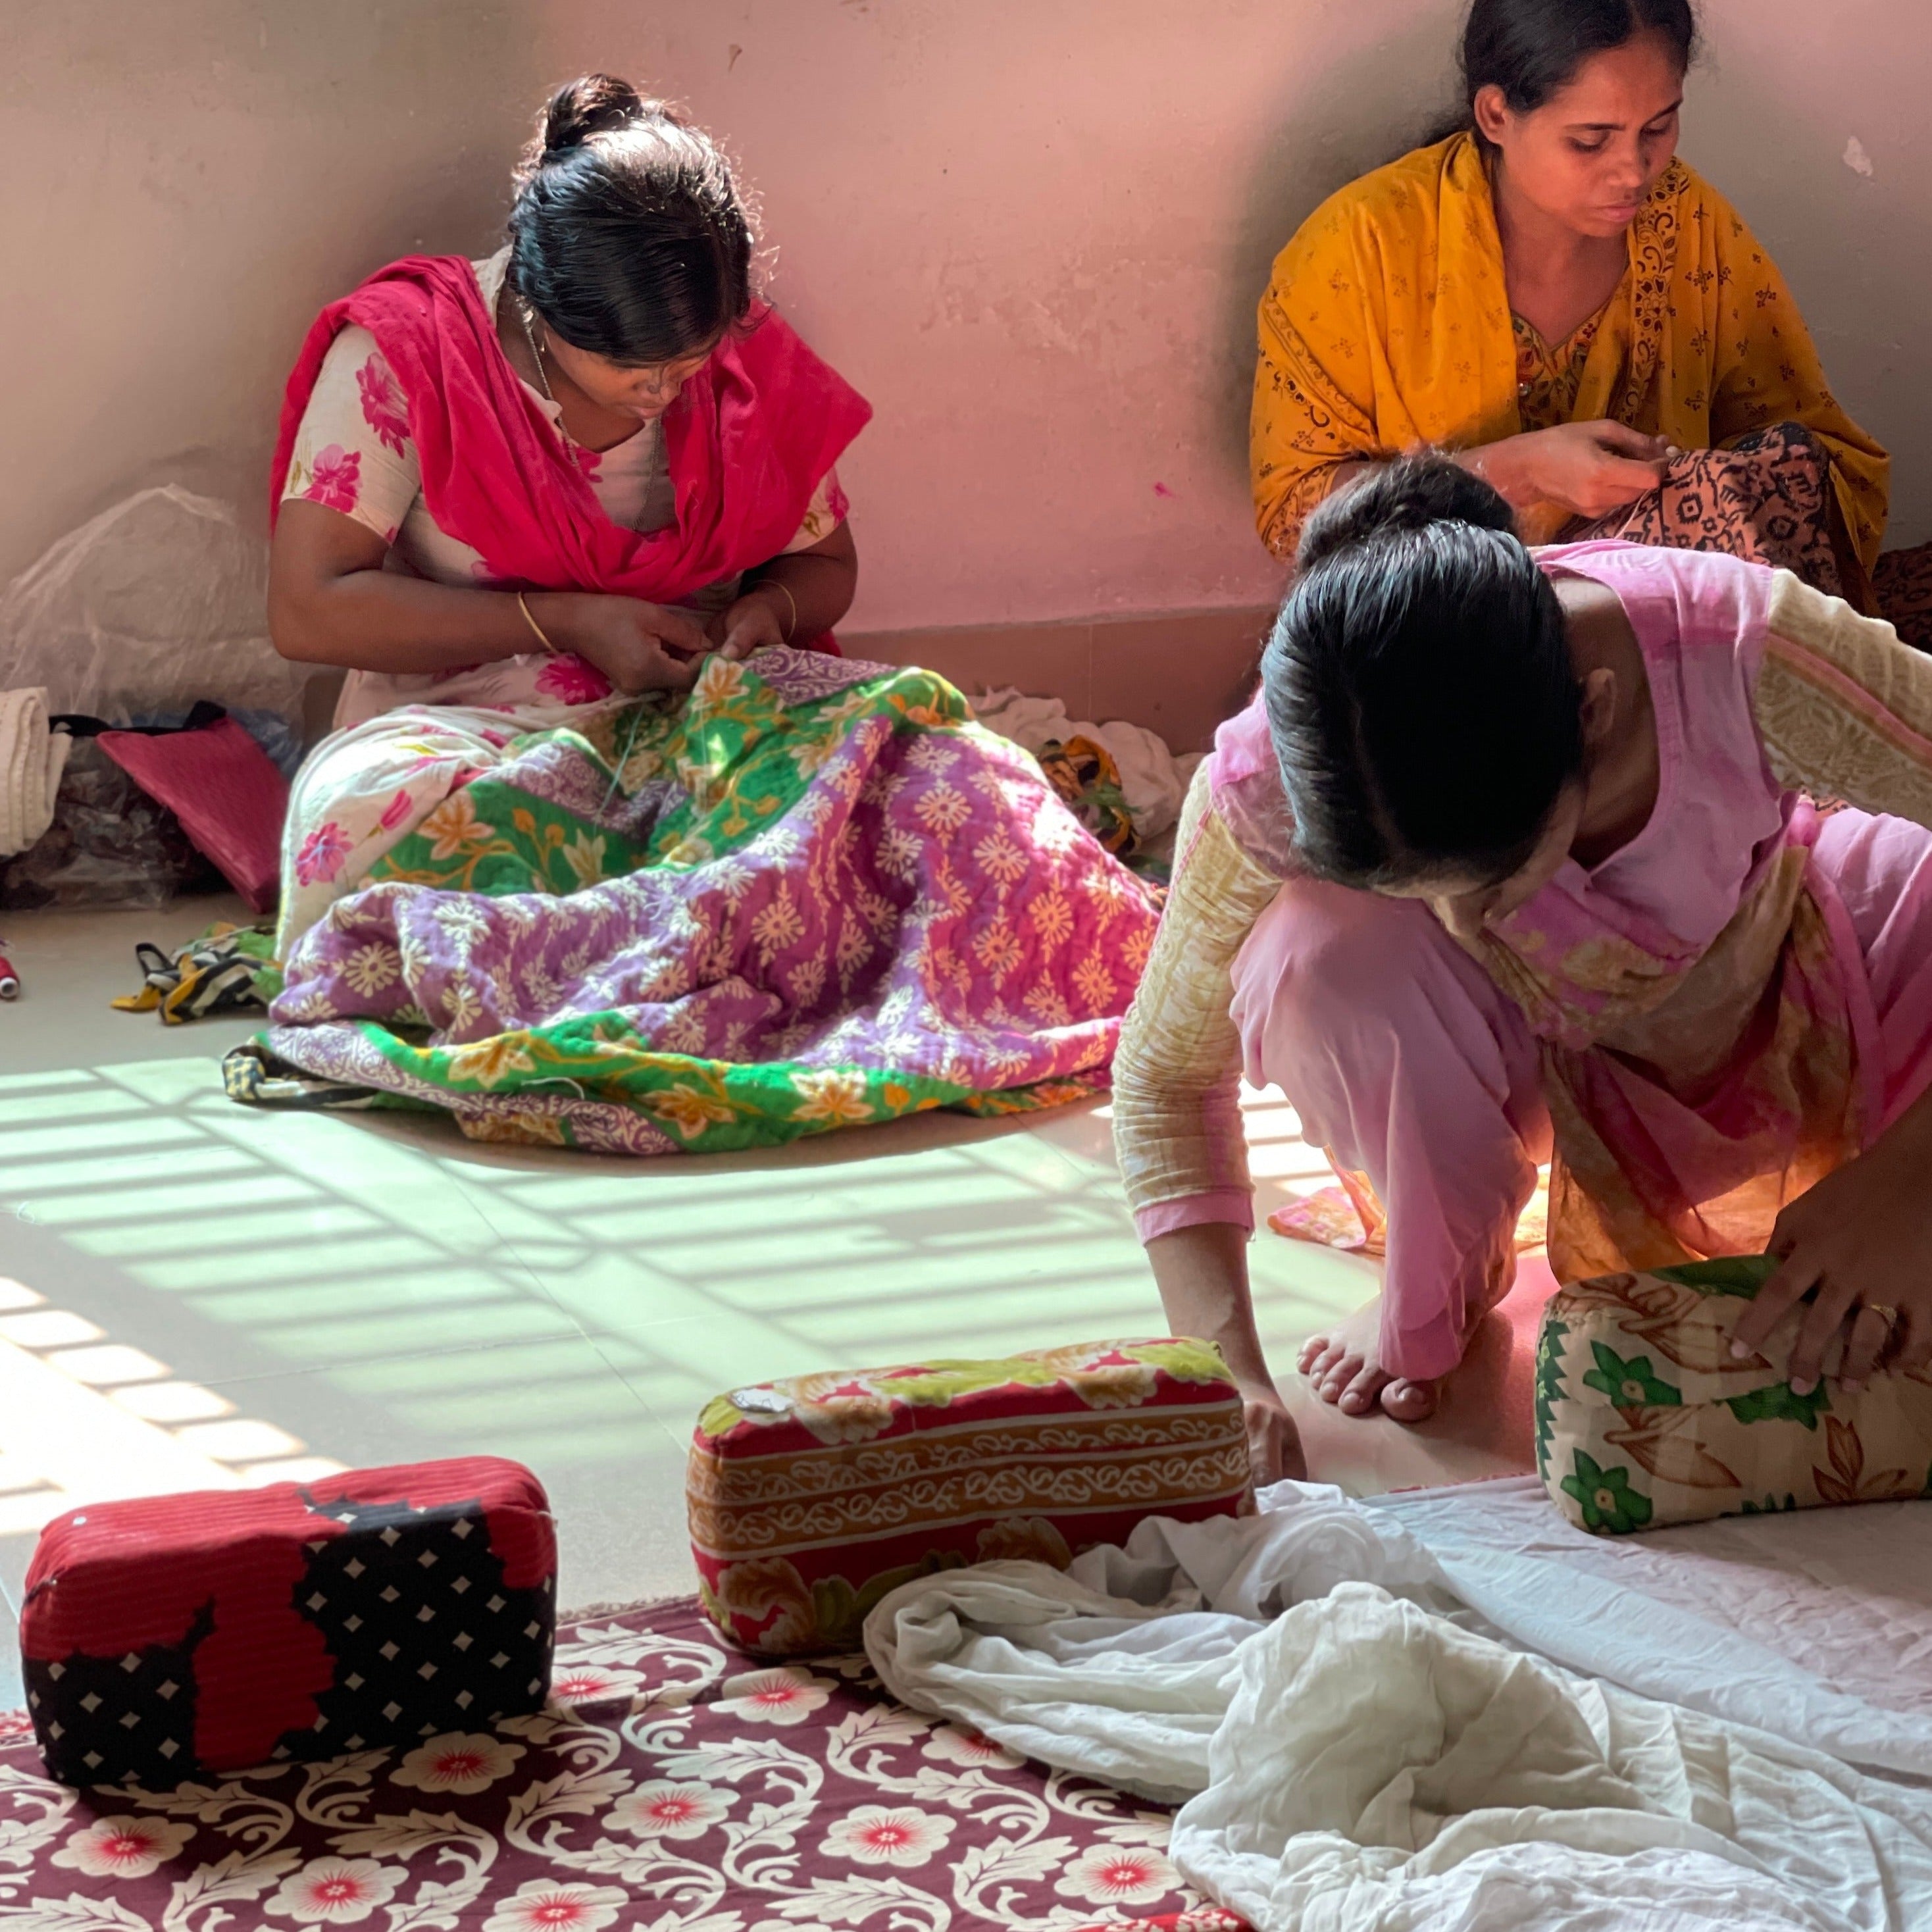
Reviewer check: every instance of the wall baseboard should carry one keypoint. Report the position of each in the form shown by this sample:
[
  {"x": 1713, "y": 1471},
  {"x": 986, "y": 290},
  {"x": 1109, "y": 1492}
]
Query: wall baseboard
[{"x": 1178, "y": 673}]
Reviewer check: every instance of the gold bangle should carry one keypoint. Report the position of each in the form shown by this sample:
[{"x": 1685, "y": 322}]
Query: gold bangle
[
  {"x": 537, "y": 628},
  {"x": 774, "y": 584}
]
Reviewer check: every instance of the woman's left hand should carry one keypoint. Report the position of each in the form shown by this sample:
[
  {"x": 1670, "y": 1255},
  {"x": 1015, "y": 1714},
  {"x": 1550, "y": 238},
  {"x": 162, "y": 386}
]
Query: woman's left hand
[
  {"x": 1862, "y": 1238},
  {"x": 753, "y": 623}
]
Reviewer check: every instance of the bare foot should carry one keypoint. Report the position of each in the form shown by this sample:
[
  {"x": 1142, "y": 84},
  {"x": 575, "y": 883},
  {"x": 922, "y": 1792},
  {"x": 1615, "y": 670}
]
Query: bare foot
[{"x": 1342, "y": 1365}]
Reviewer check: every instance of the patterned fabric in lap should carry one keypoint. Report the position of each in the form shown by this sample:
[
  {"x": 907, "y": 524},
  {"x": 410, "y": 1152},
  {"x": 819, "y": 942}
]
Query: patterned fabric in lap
[
  {"x": 1903, "y": 582},
  {"x": 815, "y": 894},
  {"x": 671, "y": 1785},
  {"x": 1767, "y": 498}
]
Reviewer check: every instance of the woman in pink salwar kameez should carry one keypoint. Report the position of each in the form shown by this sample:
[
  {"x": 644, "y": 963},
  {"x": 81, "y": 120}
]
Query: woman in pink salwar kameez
[{"x": 1522, "y": 859}]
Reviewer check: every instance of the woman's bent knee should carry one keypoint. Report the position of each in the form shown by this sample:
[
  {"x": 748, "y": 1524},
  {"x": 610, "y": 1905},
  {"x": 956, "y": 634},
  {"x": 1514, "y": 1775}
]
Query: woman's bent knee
[{"x": 1341, "y": 995}]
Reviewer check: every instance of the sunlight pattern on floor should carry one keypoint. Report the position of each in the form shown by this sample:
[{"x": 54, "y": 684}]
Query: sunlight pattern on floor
[
  {"x": 244, "y": 1289},
  {"x": 83, "y": 1419}
]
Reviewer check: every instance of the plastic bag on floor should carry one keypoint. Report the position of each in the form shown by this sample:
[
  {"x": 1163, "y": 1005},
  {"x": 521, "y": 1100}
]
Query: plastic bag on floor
[
  {"x": 155, "y": 603},
  {"x": 110, "y": 844}
]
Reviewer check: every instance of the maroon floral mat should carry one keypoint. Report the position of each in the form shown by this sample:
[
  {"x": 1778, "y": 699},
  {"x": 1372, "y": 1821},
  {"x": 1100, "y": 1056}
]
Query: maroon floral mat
[{"x": 673, "y": 1785}]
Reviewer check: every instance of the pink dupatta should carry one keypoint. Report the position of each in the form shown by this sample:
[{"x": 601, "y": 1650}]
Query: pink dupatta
[{"x": 746, "y": 442}]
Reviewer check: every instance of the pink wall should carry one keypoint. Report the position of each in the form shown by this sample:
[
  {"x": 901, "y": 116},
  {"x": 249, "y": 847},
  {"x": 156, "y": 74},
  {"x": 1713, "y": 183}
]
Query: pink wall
[
  {"x": 1032, "y": 230},
  {"x": 1786, "y": 86},
  {"x": 185, "y": 186},
  {"x": 1033, "y": 233}
]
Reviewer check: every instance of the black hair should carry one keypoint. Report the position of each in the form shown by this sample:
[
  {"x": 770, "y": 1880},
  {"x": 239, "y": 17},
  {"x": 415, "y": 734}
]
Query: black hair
[
  {"x": 1420, "y": 692},
  {"x": 1532, "y": 49},
  {"x": 629, "y": 236}
]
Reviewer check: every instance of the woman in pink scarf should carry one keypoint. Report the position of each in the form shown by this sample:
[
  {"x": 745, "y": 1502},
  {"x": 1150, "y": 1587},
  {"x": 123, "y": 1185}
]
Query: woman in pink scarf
[
  {"x": 508, "y": 489},
  {"x": 1512, "y": 859}
]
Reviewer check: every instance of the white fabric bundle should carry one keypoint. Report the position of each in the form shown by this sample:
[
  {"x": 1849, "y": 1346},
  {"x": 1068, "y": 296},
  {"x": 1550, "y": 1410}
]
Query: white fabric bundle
[
  {"x": 1365, "y": 1751},
  {"x": 32, "y": 757},
  {"x": 1153, "y": 782}
]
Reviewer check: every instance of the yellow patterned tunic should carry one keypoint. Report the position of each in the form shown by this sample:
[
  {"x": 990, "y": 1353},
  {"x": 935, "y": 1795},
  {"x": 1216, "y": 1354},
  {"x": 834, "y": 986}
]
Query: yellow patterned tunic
[
  {"x": 1388, "y": 324},
  {"x": 1547, "y": 379}
]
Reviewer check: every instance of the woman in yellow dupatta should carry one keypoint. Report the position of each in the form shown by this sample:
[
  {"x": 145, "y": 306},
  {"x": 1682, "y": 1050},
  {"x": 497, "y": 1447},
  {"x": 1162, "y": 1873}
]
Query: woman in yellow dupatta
[{"x": 1555, "y": 298}]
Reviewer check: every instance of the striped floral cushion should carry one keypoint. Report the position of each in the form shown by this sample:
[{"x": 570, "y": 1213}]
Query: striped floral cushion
[
  {"x": 1643, "y": 1418},
  {"x": 811, "y": 1498}
]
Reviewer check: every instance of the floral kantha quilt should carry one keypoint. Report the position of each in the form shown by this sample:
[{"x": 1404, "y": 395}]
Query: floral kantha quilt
[{"x": 813, "y": 894}]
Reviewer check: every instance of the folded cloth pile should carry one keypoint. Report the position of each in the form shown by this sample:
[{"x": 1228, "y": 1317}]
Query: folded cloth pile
[
  {"x": 811, "y": 1497},
  {"x": 32, "y": 757},
  {"x": 181, "y": 1637},
  {"x": 225, "y": 789},
  {"x": 1644, "y": 1416},
  {"x": 1368, "y": 1742},
  {"x": 1125, "y": 765}
]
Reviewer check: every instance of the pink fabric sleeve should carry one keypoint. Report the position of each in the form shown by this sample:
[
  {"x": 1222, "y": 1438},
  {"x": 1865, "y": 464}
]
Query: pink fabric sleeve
[
  {"x": 1177, "y": 1128},
  {"x": 1235, "y": 1205}
]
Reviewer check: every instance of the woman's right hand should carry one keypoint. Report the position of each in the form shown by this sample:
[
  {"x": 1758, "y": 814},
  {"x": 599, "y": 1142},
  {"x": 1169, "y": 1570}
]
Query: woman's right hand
[
  {"x": 1274, "y": 1443},
  {"x": 1589, "y": 468},
  {"x": 638, "y": 646},
  {"x": 1202, "y": 1273}
]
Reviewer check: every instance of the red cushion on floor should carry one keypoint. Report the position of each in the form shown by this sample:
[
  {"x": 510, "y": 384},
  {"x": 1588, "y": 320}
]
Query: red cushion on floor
[
  {"x": 225, "y": 791},
  {"x": 168, "y": 1637}
]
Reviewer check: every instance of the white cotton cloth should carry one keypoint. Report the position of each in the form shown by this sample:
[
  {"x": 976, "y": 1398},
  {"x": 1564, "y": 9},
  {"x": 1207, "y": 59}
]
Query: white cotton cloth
[
  {"x": 1364, "y": 1749},
  {"x": 1381, "y": 1768},
  {"x": 1153, "y": 782},
  {"x": 32, "y": 757},
  {"x": 1816, "y": 1625}
]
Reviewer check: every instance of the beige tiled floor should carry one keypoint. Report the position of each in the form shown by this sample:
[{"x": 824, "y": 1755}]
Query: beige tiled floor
[{"x": 197, "y": 1294}]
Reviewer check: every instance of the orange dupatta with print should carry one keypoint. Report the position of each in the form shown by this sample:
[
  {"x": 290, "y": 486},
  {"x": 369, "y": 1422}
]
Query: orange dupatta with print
[
  {"x": 1691, "y": 1099},
  {"x": 1387, "y": 324}
]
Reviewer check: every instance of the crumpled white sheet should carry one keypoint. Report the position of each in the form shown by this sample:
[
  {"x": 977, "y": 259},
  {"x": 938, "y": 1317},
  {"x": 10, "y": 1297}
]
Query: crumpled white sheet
[
  {"x": 1368, "y": 1752},
  {"x": 1153, "y": 782},
  {"x": 1816, "y": 1625}
]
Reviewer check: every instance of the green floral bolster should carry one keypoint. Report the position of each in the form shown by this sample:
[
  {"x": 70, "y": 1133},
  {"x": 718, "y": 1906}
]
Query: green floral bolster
[{"x": 1740, "y": 1275}]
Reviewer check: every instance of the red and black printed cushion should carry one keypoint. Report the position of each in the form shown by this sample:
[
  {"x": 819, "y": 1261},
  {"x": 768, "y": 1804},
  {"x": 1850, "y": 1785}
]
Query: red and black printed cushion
[{"x": 174, "y": 1636}]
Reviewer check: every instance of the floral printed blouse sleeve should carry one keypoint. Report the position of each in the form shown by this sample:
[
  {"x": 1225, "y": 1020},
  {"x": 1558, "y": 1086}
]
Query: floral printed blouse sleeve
[
  {"x": 352, "y": 451},
  {"x": 827, "y": 511}
]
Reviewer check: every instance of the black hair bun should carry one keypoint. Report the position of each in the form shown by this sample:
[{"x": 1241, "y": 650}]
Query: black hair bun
[
  {"x": 629, "y": 235},
  {"x": 1410, "y": 493},
  {"x": 595, "y": 104}
]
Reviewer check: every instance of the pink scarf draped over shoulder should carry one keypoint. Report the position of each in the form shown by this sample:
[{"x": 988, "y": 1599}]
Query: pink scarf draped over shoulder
[
  {"x": 1245, "y": 778},
  {"x": 746, "y": 442}
]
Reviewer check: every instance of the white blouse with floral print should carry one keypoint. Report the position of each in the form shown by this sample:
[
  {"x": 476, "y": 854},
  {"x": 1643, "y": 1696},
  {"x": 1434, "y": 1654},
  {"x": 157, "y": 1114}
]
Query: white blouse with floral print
[{"x": 353, "y": 454}]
